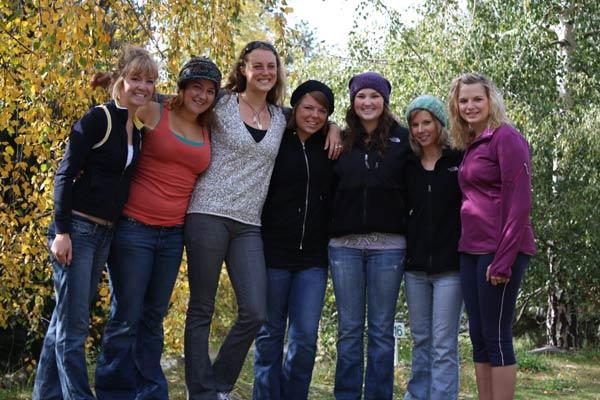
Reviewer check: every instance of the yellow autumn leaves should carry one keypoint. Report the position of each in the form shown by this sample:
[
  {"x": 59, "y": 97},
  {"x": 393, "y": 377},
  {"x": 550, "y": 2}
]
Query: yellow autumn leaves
[{"x": 48, "y": 51}]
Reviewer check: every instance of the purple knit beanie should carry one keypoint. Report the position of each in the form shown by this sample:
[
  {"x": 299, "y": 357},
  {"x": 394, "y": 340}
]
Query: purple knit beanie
[{"x": 371, "y": 80}]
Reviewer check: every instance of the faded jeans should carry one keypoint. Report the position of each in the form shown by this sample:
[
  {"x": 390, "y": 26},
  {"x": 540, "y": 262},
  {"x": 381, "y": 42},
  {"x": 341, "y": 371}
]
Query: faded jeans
[{"x": 434, "y": 308}]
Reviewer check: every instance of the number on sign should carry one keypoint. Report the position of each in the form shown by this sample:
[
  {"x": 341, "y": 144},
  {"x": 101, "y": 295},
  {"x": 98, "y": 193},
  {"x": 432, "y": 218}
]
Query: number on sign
[{"x": 399, "y": 331}]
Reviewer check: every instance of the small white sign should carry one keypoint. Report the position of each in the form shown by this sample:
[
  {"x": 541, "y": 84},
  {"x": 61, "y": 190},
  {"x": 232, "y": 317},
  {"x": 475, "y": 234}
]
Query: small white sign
[{"x": 399, "y": 333}]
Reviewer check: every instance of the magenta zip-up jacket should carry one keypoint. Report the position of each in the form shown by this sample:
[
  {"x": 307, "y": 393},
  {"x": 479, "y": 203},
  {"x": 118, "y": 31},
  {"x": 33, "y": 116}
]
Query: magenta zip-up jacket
[{"x": 495, "y": 180}]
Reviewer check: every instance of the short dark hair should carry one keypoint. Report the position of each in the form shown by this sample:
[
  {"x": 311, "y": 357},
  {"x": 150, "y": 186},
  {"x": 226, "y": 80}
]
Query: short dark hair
[{"x": 319, "y": 98}]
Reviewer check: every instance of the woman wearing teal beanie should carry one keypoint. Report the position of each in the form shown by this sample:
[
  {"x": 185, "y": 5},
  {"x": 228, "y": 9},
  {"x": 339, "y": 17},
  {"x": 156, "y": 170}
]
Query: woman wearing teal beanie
[{"x": 432, "y": 281}]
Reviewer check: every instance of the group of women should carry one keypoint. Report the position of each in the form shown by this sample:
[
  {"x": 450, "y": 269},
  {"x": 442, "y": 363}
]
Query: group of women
[{"x": 281, "y": 198}]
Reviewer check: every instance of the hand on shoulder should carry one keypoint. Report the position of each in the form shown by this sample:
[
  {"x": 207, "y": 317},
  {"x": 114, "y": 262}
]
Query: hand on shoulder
[{"x": 149, "y": 114}]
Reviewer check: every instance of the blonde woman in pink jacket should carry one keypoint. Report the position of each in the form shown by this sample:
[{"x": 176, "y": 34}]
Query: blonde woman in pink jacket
[{"x": 496, "y": 240}]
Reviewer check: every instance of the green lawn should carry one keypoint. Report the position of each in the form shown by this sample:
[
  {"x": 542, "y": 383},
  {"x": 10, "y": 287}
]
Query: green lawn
[{"x": 568, "y": 376}]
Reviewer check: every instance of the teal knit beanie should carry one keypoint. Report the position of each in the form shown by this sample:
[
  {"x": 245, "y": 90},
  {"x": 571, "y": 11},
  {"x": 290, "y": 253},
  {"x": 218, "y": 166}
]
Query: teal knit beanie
[{"x": 430, "y": 103}]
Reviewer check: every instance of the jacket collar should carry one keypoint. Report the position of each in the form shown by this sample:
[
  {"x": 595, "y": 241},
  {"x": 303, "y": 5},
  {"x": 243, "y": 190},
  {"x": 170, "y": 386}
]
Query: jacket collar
[
  {"x": 446, "y": 152},
  {"x": 120, "y": 111},
  {"x": 314, "y": 138},
  {"x": 485, "y": 135}
]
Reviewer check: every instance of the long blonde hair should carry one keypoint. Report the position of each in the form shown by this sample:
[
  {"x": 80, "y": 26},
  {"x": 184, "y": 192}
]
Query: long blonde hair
[
  {"x": 462, "y": 134},
  {"x": 134, "y": 60}
]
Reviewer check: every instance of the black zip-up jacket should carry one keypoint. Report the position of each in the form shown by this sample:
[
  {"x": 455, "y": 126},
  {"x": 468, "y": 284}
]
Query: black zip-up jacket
[
  {"x": 433, "y": 204},
  {"x": 103, "y": 188},
  {"x": 369, "y": 188},
  {"x": 296, "y": 211}
]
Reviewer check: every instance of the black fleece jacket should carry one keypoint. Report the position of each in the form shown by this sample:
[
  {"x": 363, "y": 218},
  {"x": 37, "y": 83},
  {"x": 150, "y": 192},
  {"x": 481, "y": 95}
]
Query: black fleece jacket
[
  {"x": 369, "y": 188},
  {"x": 103, "y": 188},
  {"x": 433, "y": 220},
  {"x": 296, "y": 211}
]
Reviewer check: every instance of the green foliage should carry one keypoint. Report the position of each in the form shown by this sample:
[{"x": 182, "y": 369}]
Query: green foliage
[
  {"x": 531, "y": 363},
  {"x": 516, "y": 44},
  {"x": 571, "y": 375}
]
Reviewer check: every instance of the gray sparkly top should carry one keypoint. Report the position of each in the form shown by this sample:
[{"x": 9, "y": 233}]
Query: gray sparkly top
[{"x": 236, "y": 182}]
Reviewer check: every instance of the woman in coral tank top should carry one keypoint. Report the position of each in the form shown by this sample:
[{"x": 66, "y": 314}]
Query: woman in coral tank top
[{"x": 148, "y": 245}]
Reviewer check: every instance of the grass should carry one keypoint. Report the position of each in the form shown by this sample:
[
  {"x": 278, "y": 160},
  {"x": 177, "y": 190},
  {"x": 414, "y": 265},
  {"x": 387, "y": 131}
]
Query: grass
[{"x": 573, "y": 375}]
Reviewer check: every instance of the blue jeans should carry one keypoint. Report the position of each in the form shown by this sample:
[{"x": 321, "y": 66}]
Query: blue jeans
[
  {"x": 490, "y": 308},
  {"x": 434, "y": 308},
  {"x": 297, "y": 295},
  {"x": 371, "y": 279},
  {"x": 62, "y": 368},
  {"x": 143, "y": 266}
]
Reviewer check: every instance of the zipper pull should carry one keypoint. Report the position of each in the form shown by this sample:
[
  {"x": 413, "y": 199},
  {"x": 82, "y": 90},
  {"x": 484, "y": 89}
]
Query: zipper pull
[
  {"x": 429, "y": 188},
  {"x": 367, "y": 161}
]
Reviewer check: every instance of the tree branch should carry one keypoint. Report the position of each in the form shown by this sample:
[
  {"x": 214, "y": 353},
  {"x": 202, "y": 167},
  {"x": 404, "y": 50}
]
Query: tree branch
[
  {"x": 412, "y": 48},
  {"x": 6, "y": 66},
  {"x": 590, "y": 33},
  {"x": 563, "y": 42},
  {"x": 145, "y": 29},
  {"x": 17, "y": 40},
  {"x": 40, "y": 14},
  {"x": 526, "y": 301}
]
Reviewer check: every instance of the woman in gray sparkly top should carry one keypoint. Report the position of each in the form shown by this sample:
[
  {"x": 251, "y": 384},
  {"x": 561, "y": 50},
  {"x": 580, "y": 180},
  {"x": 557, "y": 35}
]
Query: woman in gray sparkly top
[{"x": 223, "y": 220}]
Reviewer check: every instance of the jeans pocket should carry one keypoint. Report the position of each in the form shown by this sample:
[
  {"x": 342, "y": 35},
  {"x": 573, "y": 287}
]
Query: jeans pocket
[{"x": 82, "y": 228}]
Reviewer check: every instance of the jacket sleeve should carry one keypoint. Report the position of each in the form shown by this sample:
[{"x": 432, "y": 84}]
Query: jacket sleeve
[
  {"x": 85, "y": 133},
  {"x": 515, "y": 197}
]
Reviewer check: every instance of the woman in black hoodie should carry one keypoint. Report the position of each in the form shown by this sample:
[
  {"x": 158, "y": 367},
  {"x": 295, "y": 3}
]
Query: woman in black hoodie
[
  {"x": 432, "y": 282},
  {"x": 294, "y": 231}
]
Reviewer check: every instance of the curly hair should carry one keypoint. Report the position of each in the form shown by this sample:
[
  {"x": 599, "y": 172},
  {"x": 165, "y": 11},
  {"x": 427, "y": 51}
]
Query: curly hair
[{"x": 462, "y": 134}]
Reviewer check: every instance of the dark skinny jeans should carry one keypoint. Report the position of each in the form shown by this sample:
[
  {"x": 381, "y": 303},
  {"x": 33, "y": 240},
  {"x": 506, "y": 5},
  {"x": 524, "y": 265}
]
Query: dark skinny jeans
[{"x": 210, "y": 240}]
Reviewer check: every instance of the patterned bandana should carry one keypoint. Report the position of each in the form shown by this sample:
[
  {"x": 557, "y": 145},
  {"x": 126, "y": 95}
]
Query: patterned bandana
[{"x": 199, "y": 68}]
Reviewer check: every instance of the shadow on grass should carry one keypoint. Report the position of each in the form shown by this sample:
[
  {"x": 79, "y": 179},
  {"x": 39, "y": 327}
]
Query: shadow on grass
[{"x": 570, "y": 376}]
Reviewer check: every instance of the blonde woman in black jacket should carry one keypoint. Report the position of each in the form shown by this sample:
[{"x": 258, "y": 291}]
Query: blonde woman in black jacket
[
  {"x": 105, "y": 144},
  {"x": 431, "y": 279}
]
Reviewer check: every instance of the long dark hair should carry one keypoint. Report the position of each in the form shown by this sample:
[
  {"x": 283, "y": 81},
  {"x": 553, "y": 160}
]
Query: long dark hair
[
  {"x": 236, "y": 81},
  {"x": 355, "y": 131}
]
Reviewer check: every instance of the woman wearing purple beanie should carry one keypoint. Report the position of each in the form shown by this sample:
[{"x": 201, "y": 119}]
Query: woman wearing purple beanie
[{"x": 367, "y": 250}]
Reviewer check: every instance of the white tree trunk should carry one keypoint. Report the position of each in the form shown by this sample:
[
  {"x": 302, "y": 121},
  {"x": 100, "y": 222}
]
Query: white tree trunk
[{"x": 561, "y": 319}]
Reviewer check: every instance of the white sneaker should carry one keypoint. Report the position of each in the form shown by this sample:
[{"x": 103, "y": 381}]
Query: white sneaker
[{"x": 222, "y": 396}]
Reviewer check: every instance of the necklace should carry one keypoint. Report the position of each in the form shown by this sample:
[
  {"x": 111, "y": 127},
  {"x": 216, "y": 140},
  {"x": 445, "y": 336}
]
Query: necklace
[{"x": 255, "y": 114}]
